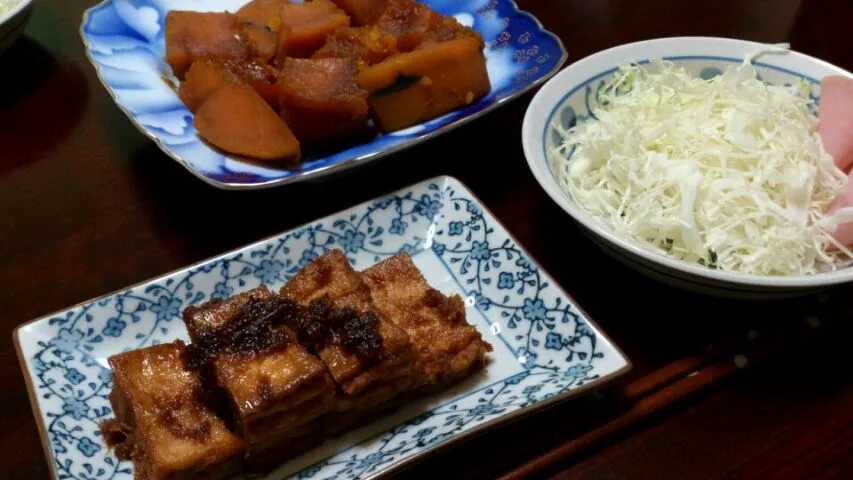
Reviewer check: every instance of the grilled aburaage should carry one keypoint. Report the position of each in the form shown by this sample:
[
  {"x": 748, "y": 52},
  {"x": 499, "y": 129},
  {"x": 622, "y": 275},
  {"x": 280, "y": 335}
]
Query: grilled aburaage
[
  {"x": 274, "y": 76},
  {"x": 268, "y": 376}
]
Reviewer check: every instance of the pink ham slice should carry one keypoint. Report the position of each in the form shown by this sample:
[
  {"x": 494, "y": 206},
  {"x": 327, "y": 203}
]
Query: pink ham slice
[
  {"x": 844, "y": 232},
  {"x": 836, "y": 119},
  {"x": 836, "y": 132}
]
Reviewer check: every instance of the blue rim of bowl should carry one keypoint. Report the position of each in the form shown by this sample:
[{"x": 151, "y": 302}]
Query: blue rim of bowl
[
  {"x": 740, "y": 280},
  {"x": 343, "y": 164},
  {"x": 672, "y": 58}
]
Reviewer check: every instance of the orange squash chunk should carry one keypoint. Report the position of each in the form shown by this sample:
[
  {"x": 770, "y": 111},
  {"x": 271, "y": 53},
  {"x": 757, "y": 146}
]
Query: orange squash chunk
[
  {"x": 262, "y": 41},
  {"x": 262, "y": 12},
  {"x": 417, "y": 86},
  {"x": 409, "y": 21},
  {"x": 320, "y": 99},
  {"x": 365, "y": 45},
  {"x": 204, "y": 77},
  {"x": 207, "y": 75},
  {"x": 260, "y": 76},
  {"x": 260, "y": 22},
  {"x": 363, "y": 12},
  {"x": 304, "y": 27},
  {"x": 239, "y": 121},
  {"x": 295, "y": 14},
  {"x": 192, "y": 35}
]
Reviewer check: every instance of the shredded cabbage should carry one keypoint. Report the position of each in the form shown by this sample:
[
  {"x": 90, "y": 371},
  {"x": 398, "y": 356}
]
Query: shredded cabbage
[{"x": 729, "y": 172}]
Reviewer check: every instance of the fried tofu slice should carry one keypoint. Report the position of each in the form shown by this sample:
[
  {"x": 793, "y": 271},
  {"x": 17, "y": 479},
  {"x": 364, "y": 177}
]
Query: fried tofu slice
[
  {"x": 274, "y": 390},
  {"x": 321, "y": 100},
  {"x": 447, "y": 348},
  {"x": 283, "y": 389},
  {"x": 193, "y": 35},
  {"x": 283, "y": 382},
  {"x": 330, "y": 288},
  {"x": 270, "y": 452},
  {"x": 330, "y": 278},
  {"x": 425, "y": 83},
  {"x": 159, "y": 408},
  {"x": 305, "y": 26},
  {"x": 352, "y": 412}
]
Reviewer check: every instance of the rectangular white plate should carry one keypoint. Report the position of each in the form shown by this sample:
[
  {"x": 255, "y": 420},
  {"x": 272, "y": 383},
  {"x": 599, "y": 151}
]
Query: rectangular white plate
[{"x": 545, "y": 348}]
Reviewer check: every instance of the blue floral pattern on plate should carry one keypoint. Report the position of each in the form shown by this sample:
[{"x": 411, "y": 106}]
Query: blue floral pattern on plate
[
  {"x": 124, "y": 39},
  {"x": 545, "y": 348}
]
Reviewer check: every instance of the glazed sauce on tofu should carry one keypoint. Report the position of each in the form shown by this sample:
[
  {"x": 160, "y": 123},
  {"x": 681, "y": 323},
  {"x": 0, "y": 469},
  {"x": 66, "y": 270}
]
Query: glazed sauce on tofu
[
  {"x": 264, "y": 325},
  {"x": 357, "y": 334},
  {"x": 319, "y": 325},
  {"x": 252, "y": 331}
]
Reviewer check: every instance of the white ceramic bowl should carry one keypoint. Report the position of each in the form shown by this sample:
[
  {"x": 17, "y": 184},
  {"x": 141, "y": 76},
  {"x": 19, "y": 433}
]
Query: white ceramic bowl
[
  {"x": 14, "y": 22},
  {"x": 574, "y": 87}
]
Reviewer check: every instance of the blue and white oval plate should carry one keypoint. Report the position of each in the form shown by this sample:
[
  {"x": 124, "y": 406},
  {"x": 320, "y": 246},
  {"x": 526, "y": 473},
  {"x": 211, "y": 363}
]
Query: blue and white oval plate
[
  {"x": 124, "y": 40},
  {"x": 546, "y": 349}
]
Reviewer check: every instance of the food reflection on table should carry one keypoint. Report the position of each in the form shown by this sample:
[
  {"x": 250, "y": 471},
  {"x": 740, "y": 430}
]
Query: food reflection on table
[
  {"x": 269, "y": 375},
  {"x": 275, "y": 77}
]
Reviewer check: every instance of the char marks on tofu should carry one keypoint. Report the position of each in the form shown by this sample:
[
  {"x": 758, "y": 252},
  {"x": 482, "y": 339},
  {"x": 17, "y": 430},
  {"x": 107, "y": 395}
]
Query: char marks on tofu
[
  {"x": 332, "y": 278},
  {"x": 246, "y": 330},
  {"x": 330, "y": 70},
  {"x": 320, "y": 326},
  {"x": 275, "y": 388},
  {"x": 334, "y": 349}
]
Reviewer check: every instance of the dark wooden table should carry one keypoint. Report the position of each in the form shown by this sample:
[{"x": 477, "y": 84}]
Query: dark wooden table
[{"x": 88, "y": 205}]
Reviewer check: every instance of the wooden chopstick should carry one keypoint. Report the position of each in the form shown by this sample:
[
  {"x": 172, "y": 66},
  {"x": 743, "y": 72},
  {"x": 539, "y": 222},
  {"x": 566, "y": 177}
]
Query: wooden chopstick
[
  {"x": 680, "y": 380},
  {"x": 642, "y": 409}
]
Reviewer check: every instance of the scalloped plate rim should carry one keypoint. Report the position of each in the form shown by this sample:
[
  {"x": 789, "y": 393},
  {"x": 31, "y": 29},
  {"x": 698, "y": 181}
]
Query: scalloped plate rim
[{"x": 342, "y": 165}]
